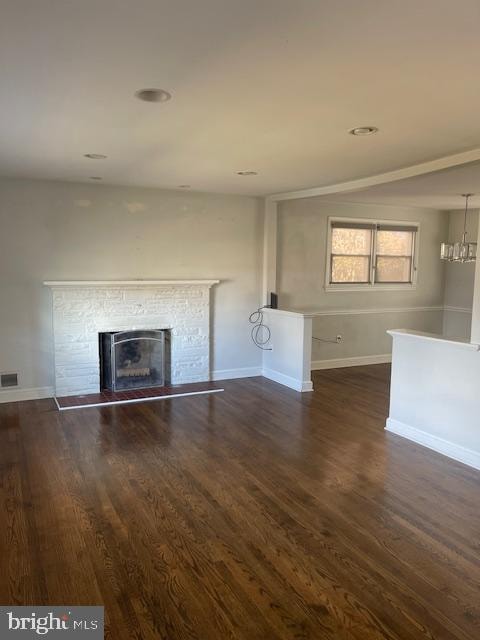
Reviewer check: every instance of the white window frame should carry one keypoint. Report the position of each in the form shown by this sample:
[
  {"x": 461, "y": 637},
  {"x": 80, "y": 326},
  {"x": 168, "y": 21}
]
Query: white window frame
[{"x": 372, "y": 285}]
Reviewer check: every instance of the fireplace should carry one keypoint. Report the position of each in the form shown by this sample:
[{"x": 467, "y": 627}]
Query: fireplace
[
  {"x": 83, "y": 309},
  {"x": 134, "y": 359}
]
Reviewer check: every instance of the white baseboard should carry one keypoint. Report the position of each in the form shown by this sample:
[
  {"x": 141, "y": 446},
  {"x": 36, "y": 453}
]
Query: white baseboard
[
  {"x": 253, "y": 372},
  {"x": 445, "y": 447},
  {"x": 231, "y": 374},
  {"x": 288, "y": 381},
  {"x": 355, "y": 361},
  {"x": 19, "y": 395}
]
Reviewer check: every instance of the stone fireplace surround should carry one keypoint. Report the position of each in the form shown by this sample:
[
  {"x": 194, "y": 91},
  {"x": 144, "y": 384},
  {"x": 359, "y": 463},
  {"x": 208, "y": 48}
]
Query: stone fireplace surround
[{"x": 83, "y": 309}]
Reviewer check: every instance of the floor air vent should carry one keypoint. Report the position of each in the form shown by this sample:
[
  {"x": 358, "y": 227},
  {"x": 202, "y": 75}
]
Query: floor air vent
[{"x": 9, "y": 380}]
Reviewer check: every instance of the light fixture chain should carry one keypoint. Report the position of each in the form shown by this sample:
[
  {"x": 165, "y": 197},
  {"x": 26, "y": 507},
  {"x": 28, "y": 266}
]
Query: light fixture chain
[{"x": 466, "y": 196}]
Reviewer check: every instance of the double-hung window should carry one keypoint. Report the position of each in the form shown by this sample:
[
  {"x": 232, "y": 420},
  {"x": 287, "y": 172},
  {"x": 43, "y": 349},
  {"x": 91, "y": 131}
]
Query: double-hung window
[{"x": 369, "y": 253}]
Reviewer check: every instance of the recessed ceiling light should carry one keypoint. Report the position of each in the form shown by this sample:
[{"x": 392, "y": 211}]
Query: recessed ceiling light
[
  {"x": 153, "y": 95},
  {"x": 363, "y": 131},
  {"x": 247, "y": 173},
  {"x": 96, "y": 178},
  {"x": 95, "y": 156}
]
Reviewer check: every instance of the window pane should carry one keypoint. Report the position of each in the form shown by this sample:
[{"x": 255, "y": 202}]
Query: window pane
[
  {"x": 352, "y": 241},
  {"x": 393, "y": 269},
  {"x": 394, "y": 243},
  {"x": 350, "y": 269}
]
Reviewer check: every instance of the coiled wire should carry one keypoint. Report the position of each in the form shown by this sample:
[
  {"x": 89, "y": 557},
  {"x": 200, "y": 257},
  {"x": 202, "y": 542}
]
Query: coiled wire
[{"x": 260, "y": 333}]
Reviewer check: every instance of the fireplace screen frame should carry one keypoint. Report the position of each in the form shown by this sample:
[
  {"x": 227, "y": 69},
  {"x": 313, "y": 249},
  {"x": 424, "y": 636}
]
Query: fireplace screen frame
[{"x": 110, "y": 341}]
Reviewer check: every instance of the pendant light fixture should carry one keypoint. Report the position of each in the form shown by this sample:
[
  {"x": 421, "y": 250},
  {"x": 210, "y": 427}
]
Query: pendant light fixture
[{"x": 460, "y": 251}]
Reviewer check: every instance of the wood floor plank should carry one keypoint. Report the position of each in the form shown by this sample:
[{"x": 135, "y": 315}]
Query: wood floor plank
[{"x": 256, "y": 514}]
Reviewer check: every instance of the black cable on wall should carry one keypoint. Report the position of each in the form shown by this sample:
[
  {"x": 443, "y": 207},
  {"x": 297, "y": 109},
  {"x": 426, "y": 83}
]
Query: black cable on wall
[{"x": 260, "y": 332}]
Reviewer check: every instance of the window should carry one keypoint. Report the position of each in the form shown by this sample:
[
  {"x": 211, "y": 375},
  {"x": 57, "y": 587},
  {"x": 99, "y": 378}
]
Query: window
[
  {"x": 394, "y": 254},
  {"x": 351, "y": 253},
  {"x": 370, "y": 253}
]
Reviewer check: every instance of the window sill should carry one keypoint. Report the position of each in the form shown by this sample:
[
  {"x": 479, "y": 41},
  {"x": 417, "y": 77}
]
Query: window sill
[{"x": 335, "y": 288}]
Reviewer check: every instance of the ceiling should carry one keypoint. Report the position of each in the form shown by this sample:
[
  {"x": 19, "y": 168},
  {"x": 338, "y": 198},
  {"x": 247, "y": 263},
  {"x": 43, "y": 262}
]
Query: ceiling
[
  {"x": 266, "y": 85},
  {"x": 437, "y": 190}
]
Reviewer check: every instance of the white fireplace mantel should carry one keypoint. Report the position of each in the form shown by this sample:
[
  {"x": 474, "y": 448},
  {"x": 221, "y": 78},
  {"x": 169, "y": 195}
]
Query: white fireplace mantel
[{"x": 126, "y": 283}]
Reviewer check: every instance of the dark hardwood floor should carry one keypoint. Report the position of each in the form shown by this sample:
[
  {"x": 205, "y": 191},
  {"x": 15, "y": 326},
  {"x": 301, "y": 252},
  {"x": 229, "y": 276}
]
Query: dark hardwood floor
[{"x": 255, "y": 514}]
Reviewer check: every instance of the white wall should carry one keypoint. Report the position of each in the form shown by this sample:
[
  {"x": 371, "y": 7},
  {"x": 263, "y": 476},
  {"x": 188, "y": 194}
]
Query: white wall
[
  {"x": 62, "y": 231},
  {"x": 287, "y": 359},
  {"x": 475, "y": 333},
  {"x": 302, "y": 241},
  {"x": 459, "y": 280},
  {"x": 434, "y": 397}
]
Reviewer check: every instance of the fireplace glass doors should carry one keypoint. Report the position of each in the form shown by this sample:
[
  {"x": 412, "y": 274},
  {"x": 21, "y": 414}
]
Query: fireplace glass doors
[{"x": 134, "y": 359}]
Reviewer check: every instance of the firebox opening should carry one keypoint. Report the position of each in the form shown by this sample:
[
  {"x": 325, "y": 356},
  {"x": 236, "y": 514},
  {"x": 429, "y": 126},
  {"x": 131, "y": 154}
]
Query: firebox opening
[{"x": 134, "y": 359}]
